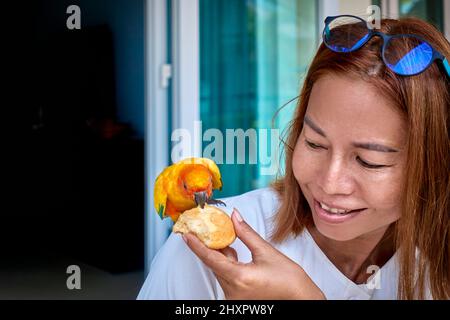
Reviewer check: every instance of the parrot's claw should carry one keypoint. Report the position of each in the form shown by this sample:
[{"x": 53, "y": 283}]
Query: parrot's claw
[
  {"x": 217, "y": 202},
  {"x": 201, "y": 199}
]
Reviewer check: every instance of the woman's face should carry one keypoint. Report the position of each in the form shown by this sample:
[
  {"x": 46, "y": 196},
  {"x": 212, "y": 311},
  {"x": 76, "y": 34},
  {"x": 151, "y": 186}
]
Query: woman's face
[{"x": 350, "y": 155}]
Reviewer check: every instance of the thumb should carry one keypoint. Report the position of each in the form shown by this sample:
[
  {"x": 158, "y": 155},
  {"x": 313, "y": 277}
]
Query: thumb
[
  {"x": 254, "y": 242},
  {"x": 230, "y": 253}
]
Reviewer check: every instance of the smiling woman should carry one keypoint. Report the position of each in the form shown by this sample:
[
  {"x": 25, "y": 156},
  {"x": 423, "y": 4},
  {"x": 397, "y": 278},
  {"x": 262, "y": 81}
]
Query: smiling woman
[
  {"x": 353, "y": 187},
  {"x": 362, "y": 211},
  {"x": 377, "y": 142},
  {"x": 363, "y": 178}
]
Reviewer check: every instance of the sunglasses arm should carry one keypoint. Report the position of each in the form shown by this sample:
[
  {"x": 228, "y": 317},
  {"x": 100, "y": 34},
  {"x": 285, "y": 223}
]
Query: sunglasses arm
[{"x": 446, "y": 66}]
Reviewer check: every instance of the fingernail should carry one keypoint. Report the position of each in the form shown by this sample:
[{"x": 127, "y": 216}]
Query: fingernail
[
  {"x": 237, "y": 215},
  {"x": 185, "y": 238}
]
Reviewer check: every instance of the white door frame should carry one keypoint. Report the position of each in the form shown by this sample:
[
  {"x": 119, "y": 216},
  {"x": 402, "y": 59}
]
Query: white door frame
[
  {"x": 325, "y": 8},
  {"x": 185, "y": 75},
  {"x": 390, "y": 9},
  {"x": 156, "y": 120}
]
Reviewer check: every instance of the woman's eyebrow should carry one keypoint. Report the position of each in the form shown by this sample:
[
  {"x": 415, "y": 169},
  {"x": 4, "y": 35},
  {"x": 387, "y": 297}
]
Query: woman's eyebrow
[
  {"x": 374, "y": 147},
  {"x": 362, "y": 145}
]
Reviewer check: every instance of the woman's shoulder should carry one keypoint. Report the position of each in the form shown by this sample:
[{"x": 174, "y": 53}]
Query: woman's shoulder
[
  {"x": 257, "y": 207},
  {"x": 264, "y": 199}
]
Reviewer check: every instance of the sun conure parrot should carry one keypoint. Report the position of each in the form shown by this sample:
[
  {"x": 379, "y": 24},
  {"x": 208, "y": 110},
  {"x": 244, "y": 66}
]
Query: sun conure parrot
[{"x": 185, "y": 185}]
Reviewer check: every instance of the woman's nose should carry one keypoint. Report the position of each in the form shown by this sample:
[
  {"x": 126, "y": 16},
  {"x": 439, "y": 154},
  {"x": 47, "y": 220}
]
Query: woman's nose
[{"x": 337, "y": 178}]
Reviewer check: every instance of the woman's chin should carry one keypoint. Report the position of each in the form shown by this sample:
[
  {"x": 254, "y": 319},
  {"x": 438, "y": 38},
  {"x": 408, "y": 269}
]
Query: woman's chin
[{"x": 337, "y": 233}]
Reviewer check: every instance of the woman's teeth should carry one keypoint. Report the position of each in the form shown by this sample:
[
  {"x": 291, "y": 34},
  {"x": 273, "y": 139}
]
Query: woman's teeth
[{"x": 334, "y": 210}]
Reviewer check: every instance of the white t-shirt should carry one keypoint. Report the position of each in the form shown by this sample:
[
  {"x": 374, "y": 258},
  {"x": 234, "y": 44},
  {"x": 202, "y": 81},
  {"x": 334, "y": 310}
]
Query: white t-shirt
[{"x": 176, "y": 272}]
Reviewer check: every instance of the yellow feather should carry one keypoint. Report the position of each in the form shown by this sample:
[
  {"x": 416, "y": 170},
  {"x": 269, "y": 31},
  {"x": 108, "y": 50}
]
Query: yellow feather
[
  {"x": 165, "y": 185},
  {"x": 211, "y": 165},
  {"x": 160, "y": 193}
]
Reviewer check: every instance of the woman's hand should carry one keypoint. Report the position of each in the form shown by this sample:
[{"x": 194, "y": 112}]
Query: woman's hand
[{"x": 271, "y": 274}]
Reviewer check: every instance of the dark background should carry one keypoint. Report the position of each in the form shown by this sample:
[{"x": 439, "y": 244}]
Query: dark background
[{"x": 76, "y": 195}]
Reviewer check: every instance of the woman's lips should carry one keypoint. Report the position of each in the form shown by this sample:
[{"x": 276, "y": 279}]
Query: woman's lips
[{"x": 334, "y": 217}]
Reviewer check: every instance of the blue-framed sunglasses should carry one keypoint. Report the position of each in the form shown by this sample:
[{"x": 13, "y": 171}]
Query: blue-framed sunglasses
[{"x": 404, "y": 54}]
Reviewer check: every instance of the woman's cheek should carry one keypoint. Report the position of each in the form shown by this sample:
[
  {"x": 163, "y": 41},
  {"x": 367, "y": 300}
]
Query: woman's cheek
[
  {"x": 303, "y": 164},
  {"x": 383, "y": 197},
  {"x": 386, "y": 195},
  {"x": 386, "y": 187}
]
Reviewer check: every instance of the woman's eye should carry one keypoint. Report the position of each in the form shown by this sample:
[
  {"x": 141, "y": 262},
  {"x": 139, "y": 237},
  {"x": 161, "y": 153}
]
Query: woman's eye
[
  {"x": 312, "y": 145},
  {"x": 363, "y": 163},
  {"x": 368, "y": 165}
]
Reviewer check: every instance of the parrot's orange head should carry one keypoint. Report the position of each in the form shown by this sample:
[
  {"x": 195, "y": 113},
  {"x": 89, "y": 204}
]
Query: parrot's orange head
[{"x": 196, "y": 181}]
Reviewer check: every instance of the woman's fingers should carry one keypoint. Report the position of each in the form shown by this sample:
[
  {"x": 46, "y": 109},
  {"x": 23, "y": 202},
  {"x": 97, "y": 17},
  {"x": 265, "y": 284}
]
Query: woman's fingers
[
  {"x": 256, "y": 244},
  {"x": 225, "y": 263},
  {"x": 230, "y": 253},
  {"x": 220, "y": 264}
]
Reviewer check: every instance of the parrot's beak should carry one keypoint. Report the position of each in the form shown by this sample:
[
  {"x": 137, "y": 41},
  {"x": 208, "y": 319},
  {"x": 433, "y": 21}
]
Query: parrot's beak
[{"x": 201, "y": 198}]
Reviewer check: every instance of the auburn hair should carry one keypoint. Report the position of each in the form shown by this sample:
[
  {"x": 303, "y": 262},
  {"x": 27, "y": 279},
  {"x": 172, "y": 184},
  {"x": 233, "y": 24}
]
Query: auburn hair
[{"x": 424, "y": 100}]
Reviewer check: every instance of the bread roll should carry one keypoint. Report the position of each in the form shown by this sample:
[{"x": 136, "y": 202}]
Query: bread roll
[{"x": 211, "y": 225}]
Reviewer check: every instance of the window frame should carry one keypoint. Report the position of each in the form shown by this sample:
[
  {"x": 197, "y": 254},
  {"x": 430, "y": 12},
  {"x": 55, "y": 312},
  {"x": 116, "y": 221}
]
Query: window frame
[{"x": 156, "y": 121}]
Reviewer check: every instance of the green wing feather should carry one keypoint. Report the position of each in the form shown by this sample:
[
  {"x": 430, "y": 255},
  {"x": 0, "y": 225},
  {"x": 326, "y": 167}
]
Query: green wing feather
[{"x": 160, "y": 195}]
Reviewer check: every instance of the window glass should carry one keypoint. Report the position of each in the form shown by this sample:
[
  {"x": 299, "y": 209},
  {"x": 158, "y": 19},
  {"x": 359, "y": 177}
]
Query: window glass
[
  {"x": 429, "y": 10},
  {"x": 253, "y": 57}
]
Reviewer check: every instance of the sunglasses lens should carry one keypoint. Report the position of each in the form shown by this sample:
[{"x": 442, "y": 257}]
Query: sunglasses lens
[
  {"x": 345, "y": 34},
  {"x": 407, "y": 55}
]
